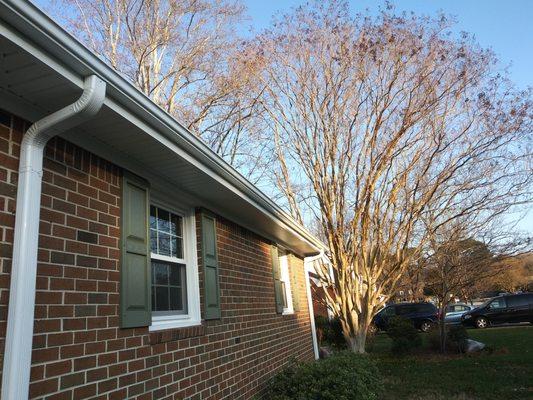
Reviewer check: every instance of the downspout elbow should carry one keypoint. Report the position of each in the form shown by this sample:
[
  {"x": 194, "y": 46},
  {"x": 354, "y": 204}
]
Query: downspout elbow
[
  {"x": 18, "y": 345},
  {"x": 40, "y": 132}
]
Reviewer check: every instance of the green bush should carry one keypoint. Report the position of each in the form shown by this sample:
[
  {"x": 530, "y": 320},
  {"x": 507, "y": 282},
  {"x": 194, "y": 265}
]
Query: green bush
[
  {"x": 456, "y": 336},
  {"x": 329, "y": 332},
  {"x": 343, "y": 376},
  {"x": 404, "y": 335}
]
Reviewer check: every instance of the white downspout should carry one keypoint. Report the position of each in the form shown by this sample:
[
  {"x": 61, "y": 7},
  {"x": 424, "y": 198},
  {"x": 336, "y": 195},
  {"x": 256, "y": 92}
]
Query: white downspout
[
  {"x": 308, "y": 265},
  {"x": 18, "y": 347}
]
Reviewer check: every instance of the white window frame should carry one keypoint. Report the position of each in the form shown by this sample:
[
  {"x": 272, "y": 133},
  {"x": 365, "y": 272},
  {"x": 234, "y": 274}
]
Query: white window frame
[
  {"x": 285, "y": 277},
  {"x": 192, "y": 317}
]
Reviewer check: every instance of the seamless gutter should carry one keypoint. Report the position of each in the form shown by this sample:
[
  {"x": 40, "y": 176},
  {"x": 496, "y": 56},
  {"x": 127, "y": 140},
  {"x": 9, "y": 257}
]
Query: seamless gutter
[{"x": 42, "y": 30}]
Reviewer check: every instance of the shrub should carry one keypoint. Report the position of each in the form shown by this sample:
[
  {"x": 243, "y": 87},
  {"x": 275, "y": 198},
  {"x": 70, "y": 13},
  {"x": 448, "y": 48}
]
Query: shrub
[
  {"x": 329, "y": 332},
  {"x": 404, "y": 335},
  {"x": 456, "y": 338},
  {"x": 343, "y": 376}
]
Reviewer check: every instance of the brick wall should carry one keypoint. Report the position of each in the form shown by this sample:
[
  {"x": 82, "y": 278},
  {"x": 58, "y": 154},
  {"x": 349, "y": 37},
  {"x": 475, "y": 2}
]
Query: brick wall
[
  {"x": 79, "y": 351},
  {"x": 319, "y": 300}
]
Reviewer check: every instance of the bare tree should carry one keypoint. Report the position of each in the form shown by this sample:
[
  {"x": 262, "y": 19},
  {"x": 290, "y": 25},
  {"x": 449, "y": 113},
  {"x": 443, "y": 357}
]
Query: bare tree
[
  {"x": 380, "y": 122},
  {"x": 457, "y": 264},
  {"x": 184, "y": 55}
]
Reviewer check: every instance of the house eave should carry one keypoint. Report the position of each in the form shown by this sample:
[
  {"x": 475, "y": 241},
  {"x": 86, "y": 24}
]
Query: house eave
[{"x": 74, "y": 61}]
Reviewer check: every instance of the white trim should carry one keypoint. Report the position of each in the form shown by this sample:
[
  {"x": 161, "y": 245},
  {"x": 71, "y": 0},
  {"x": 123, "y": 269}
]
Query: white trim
[
  {"x": 193, "y": 316},
  {"x": 286, "y": 278},
  {"x": 174, "y": 260}
]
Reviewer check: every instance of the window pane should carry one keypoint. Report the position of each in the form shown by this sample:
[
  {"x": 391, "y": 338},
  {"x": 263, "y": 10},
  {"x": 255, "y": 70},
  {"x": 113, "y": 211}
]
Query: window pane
[
  {"x": 164, "y": 244},
  {"x": 153, "y": 220},
  {"x": 177, "y": 247},
  {"x": 517, "y": 301},
  {"x": 161, "y": 298},
  {"x": 284, "y": 294},
  {"x": 389, "y": 311},
  {"x": 163, "y": 220},
  {"x": 175, "y": 274},
  {"x": 153, "y": 241},
  {"x": 168, "y": 287},
  {"x": 160, "y": 273},
  {"x": 176, "y": 302},
  {"x": 498, "y": 303},
  {"x": 175, "y": 225}
]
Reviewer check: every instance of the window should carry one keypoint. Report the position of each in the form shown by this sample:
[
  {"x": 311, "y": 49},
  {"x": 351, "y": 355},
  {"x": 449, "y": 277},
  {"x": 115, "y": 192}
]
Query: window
[
  {"x": 389, "y": 312},
  {"x": 285, "y": 283},
  {"x": 169, "y": 293},
  {"x": 518, "y": 301},
  {"x": 175, "y": 294},
  {"x": 497, "y": 303}
]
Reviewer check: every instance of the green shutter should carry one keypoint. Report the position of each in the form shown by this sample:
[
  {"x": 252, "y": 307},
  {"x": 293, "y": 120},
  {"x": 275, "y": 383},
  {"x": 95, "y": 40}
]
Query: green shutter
[
  {"x": 278, "y": 287},
  {"x": 295, "y": 284},
  {"x": 135, "y": 270},
  {"x": 209, "y": 256}
]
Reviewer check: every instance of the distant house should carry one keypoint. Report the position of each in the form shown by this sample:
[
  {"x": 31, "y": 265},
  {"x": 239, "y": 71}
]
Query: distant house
[{"x": 135, "y": 263}]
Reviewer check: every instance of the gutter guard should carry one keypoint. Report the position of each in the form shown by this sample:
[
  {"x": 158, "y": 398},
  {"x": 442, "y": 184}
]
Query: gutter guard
[{"x": 18, "y": 347}]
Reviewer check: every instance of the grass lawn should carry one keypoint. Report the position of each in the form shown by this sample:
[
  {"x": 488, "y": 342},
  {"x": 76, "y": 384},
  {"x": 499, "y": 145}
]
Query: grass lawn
[{"x": 505, "y": 373}]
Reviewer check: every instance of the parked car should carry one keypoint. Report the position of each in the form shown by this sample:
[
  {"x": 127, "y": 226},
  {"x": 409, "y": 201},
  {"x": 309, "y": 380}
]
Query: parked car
[
  {"x": 500, "y": 310},
  {"x": 423, "y": 315},
  {"x": 455, "y": 311}
]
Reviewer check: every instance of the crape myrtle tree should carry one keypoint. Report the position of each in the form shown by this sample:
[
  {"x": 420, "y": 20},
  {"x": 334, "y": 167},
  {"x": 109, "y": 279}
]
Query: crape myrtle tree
[
  {"x": 377, "y": 123},
  {"x": 184, "y": 55}
]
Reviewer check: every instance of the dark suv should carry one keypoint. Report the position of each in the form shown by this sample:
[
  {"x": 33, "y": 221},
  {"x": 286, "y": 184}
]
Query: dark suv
[
  {"x": 423, "y": 315},
  {"x": 500, "y": 310}
]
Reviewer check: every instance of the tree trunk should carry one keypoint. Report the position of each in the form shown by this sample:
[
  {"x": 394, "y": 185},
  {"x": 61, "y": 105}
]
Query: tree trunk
[
  {"x": 442, "y": 328},
  {"x": 357, "y": 341}
]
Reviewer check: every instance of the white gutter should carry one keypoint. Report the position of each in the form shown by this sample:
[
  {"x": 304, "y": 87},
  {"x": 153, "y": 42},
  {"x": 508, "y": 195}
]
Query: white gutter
[{"x": 18, "y": 347}]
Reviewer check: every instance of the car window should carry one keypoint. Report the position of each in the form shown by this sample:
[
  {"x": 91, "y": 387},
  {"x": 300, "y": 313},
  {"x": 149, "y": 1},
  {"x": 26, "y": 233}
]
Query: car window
[
  {"x": 402, "y": 310},
  {"x": 409, "y": 309},
  {"x": 517, "y": 301},
  {"x": 426, "y": 308},
  {"x": 388, "y": 312},
  {"x": 497, "y": 303}
]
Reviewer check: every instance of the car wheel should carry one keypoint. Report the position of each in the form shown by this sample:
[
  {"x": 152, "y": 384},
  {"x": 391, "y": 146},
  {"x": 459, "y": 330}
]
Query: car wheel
[
  {"x": 425, "y": 326},
  {"x": 373, "y": 329},
  {"x": 482, "y": 322}
]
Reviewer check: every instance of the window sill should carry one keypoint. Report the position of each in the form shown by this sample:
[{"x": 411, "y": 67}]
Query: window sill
[
  {"x": 287, "y": 312},
  {"x": 159, "y": 325}
]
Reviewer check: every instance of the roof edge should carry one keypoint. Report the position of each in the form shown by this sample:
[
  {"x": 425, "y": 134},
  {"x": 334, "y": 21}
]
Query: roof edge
[{"x": 41, "y": 29}]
